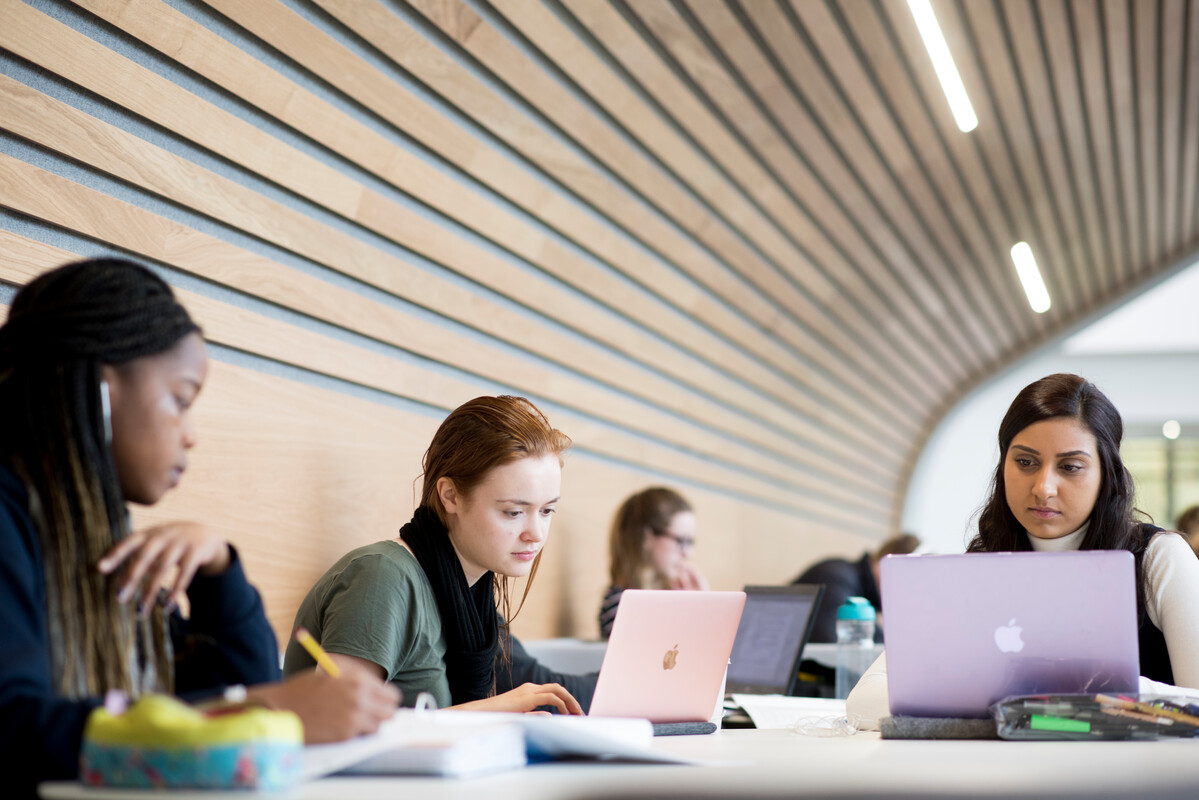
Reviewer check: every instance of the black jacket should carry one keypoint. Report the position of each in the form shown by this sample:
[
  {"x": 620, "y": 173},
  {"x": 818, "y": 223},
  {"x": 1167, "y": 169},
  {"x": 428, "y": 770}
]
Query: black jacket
[{"x": 227, "y": 641}]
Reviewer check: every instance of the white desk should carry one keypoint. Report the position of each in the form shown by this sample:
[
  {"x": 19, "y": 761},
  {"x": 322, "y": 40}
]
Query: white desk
[
  {"x": 826, "y": 654},
  {"x": 778, "y": 763}
]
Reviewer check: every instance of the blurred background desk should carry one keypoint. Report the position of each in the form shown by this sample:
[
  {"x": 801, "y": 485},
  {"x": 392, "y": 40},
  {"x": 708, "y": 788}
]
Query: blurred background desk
[
  {"x": 825, "y": 654},
  {"x": 579, "y": 656},
  {"x": 568, "y": 655}
]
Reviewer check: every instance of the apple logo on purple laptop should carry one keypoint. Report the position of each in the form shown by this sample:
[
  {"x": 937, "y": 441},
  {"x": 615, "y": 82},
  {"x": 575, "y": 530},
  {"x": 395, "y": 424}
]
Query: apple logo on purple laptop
[{"x": 1007, "y": 637}]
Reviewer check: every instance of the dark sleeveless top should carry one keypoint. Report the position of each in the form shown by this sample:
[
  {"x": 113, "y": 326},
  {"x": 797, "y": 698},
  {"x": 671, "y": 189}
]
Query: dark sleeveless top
[{"x": 1155, "y": 657}]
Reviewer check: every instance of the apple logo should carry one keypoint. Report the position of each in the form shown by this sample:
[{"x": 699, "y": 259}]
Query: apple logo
[
  {"x": 1007, "y": 637},
  {"x": 669, "y": 660}
]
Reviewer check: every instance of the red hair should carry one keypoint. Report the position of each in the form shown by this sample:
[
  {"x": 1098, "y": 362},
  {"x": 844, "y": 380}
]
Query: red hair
[
  {"x": 483, "y": 434},
  {"x": 477, "y": 437}
]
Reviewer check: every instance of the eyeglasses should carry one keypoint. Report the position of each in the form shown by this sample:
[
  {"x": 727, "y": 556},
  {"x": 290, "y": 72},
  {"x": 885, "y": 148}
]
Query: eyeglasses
[{"x": 685, "y": 542}]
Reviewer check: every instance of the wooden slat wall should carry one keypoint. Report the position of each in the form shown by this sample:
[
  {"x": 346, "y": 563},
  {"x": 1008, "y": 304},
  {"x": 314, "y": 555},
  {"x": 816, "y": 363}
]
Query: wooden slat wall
[{"x": 737, "y": 247}]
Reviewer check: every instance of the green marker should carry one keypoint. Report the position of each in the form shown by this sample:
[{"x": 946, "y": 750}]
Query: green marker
[{"x": 1040, "y": 722}]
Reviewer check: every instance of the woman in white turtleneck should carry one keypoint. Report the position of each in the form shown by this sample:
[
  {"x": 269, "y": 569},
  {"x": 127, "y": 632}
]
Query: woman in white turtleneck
[{"x": 1061, "y": 485}]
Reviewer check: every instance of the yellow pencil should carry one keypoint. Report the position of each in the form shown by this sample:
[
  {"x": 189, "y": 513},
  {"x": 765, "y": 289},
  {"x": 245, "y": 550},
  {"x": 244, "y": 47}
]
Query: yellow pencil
[{"x": 317, "y": 652}]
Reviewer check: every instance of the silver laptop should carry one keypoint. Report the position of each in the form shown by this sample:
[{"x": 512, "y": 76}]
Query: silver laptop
[
  {"x": 774, "y": 628},
  {"x": 667, "y": 655},
  {"x": 966, "y": 630}
]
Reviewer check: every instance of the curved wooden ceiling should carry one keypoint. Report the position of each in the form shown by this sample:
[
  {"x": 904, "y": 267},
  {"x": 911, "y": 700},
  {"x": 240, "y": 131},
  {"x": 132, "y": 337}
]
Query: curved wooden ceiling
[
  {"x": 741, "y": 242},
  {"x": 798, "y": 161}
]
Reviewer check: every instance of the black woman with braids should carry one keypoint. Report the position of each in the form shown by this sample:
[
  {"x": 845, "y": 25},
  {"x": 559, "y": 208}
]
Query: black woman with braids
[{"x": 99, "y": 367}]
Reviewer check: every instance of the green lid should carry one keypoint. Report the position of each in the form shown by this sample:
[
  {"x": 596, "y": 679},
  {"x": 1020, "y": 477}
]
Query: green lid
[{"x": 856, "y": 608}]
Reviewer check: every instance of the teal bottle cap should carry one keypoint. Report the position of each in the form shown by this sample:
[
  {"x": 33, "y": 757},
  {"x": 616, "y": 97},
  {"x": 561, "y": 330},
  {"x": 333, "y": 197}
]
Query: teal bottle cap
[{"x": 856, "y": 608}]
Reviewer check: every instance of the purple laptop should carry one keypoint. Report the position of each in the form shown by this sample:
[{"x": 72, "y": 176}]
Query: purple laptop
[{"x": 966, "y": 630}]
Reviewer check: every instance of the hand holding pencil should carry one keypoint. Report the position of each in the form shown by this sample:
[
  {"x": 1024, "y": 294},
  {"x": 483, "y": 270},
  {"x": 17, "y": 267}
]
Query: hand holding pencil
[{"x": 333, "y": 703}]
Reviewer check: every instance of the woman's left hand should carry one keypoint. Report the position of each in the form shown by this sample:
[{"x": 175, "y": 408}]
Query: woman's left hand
[
  {"x": 527, "y": 697},
  {"x": 150, "y": 556}
]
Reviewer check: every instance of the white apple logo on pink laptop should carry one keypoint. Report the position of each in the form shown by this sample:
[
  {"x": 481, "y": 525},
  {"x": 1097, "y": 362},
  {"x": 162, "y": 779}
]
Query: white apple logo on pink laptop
[{"x": 1007, "y": 637}]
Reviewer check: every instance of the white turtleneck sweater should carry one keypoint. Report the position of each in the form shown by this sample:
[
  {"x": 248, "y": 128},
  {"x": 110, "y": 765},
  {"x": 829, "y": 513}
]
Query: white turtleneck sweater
[{"x": 1171, "y": 573}]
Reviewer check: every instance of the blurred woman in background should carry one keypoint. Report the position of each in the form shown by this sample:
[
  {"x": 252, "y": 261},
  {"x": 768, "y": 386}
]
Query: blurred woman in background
[{"x": 652, "y": 538}]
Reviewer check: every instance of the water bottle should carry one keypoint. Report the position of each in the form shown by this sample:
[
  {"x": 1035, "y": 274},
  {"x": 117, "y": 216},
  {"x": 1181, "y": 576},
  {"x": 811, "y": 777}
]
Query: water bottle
[{"x": 855, "y": 643}]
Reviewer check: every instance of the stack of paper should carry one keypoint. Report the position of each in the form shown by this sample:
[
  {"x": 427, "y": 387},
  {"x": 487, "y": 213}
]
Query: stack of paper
[{"x": 778, "y": 711}]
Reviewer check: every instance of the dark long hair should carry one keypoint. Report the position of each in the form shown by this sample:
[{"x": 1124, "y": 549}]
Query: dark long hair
[
  {"x": 1114, "y": 523},
  {"x": 62, "y": 328}
]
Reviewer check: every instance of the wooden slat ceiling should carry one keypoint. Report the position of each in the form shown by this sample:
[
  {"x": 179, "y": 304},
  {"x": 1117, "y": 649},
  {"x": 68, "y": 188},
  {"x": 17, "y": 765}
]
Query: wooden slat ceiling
[
  {"x": 748, "y": 232},
  {"x": 798, "y": 159}
]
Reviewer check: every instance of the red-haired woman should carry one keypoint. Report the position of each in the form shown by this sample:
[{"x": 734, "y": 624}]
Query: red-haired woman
[{"x": 420, "y": 610}]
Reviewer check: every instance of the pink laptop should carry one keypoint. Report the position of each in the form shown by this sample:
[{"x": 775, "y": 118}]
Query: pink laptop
[
  {"x": 963, "y": 631},
  {"x": 667, "y": 655}
]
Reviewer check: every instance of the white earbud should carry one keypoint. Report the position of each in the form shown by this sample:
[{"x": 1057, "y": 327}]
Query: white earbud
[{"x": 106, "y": 410}]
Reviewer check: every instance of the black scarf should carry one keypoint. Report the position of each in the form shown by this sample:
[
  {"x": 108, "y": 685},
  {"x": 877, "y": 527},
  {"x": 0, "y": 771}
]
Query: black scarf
[{"x": 468, "y": 614}]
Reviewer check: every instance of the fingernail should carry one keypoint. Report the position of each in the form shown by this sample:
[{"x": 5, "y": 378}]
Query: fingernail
[
  {"x": 141, "y": 608},
  {"x": 104, "y": 566},
  {"x": 124, "y": 594}
]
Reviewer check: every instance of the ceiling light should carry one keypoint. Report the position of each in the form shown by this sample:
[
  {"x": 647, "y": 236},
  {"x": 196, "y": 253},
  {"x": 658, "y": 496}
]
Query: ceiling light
[
  {"x": 947, "y": 73},
  {"x": 1030, "y": 277},
  {"x": 1171, "y": 429}
]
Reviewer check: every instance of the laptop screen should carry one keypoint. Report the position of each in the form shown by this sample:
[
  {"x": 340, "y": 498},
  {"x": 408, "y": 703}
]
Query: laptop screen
[
  {"x": 966, "y": 630},
  {"x": 770, "y": 639},
  {"x": 667, "y": 655}
]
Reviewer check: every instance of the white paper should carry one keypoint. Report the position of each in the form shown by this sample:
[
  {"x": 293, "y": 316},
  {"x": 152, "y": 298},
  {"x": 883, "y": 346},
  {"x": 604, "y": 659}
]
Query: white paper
[
  {"x": 779, "y": 711},
  {"x": 429, "y": 743}
]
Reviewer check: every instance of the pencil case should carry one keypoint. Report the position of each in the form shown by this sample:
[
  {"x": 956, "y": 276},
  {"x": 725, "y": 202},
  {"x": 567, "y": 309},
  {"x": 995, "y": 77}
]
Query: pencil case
[
  {"x": 1087, "y": 717},
  {"x": 162, "y": 743}
]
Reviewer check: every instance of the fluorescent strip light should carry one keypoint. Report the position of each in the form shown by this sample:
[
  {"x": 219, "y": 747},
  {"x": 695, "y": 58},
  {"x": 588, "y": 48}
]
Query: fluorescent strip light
[
  {"x": 947, "y": 72},
  {"x": 1030, "y": 277}
]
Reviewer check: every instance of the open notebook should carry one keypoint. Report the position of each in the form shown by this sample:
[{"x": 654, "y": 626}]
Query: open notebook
[{"x": 465, "y": 743}]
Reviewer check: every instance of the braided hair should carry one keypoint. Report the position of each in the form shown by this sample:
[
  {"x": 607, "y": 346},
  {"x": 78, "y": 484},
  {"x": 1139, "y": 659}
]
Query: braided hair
[{"x": 62, "y": 328}]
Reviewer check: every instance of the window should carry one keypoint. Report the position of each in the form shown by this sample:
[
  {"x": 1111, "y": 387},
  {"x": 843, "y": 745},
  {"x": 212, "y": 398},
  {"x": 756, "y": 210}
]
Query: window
[{"x": 1166, "y": 473}]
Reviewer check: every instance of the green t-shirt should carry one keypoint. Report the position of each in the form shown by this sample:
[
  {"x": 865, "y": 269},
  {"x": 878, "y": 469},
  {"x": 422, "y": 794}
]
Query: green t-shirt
[{"x": 376, "y": 603}]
